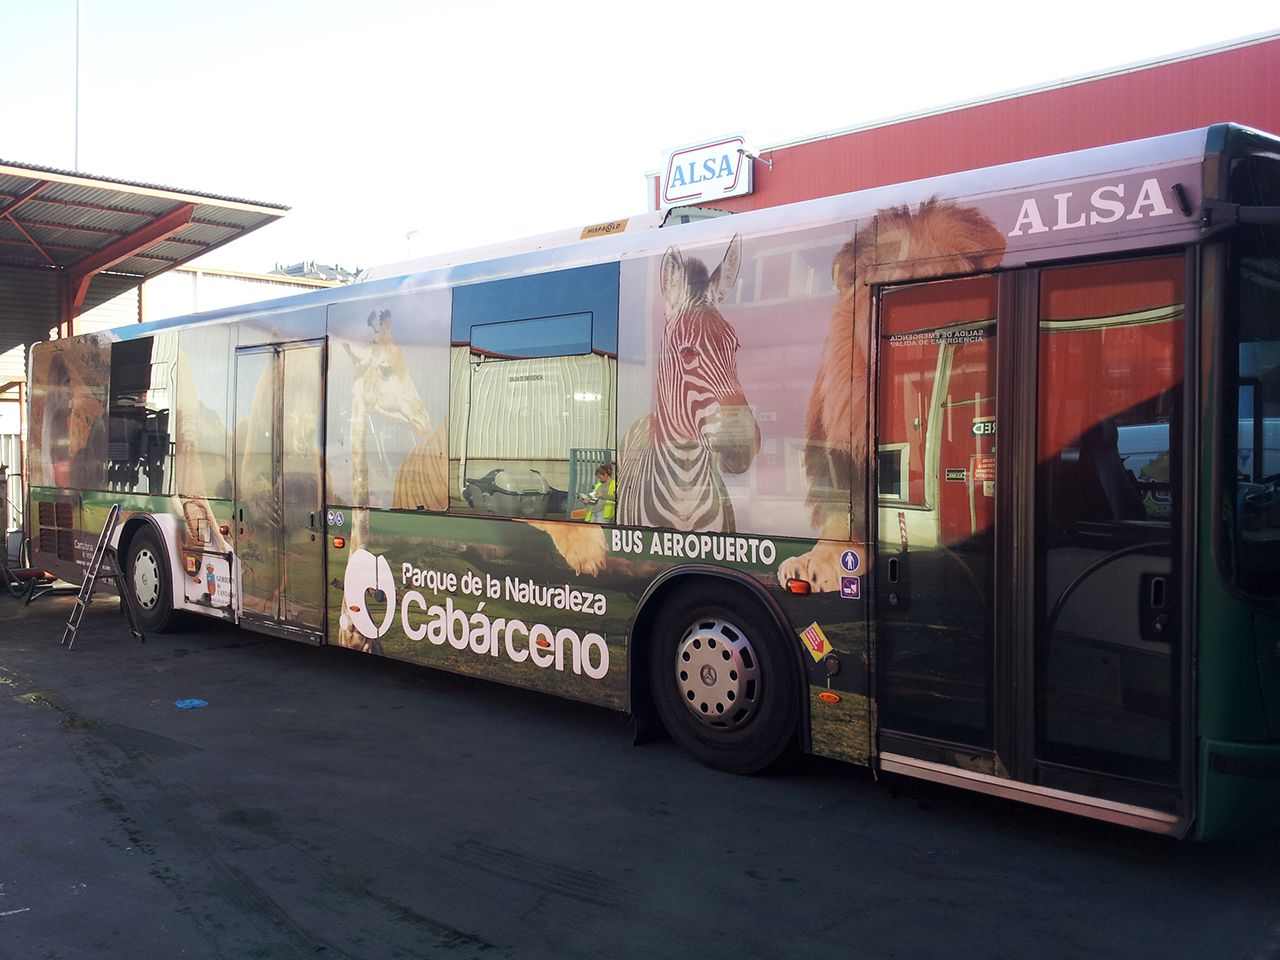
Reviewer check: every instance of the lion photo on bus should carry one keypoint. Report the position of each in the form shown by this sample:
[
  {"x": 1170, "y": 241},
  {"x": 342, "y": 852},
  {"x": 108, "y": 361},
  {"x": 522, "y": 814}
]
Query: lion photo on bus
[{"x": 938, "y": 239}]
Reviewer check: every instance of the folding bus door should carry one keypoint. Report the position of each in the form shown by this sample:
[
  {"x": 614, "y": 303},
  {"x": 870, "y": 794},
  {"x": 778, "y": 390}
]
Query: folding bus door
[
  {"x": 1108, "y": 514},
  {"x": 936, "y": 489},
  {"x": 278, "y": 485},
  {"x": 1030, "y": 586}
]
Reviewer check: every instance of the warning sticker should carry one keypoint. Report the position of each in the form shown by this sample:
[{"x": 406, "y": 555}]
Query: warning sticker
[
  {"x": 815, "y": 641},
  {"x": 984, "y": 468}
]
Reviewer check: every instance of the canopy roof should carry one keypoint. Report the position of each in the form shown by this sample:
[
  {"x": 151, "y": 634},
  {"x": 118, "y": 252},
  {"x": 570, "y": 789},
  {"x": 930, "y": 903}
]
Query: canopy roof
[{"x": 85, "y": 224}]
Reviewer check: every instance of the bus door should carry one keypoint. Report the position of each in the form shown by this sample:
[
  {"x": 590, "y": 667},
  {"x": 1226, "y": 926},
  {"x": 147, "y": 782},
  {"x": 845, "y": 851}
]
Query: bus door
[
  {"x": 1028, "y": 606},
  {"x": 936, "y": 498},
  {"x": 279, "y": 470},
  {"x": 1105, "y": 607}
]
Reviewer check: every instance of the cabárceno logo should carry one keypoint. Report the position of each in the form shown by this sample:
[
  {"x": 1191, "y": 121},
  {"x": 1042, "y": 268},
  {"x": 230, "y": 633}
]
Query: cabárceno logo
[{"x": 545, "y": 647}]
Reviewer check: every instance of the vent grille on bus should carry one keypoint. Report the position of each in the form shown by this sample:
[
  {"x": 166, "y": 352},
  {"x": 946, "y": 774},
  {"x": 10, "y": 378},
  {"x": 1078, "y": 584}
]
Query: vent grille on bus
[{"x": 56, "y": 534}]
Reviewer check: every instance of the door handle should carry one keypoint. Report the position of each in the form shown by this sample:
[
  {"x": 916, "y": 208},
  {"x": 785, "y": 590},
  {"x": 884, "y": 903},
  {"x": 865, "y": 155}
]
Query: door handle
[
  {"x": 893, "y": 572},
  {"x": 1159, "y": 592},
  {"x": 1156, "y": 606}
]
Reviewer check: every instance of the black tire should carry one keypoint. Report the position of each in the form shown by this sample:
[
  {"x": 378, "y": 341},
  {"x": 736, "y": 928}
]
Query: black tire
[
  {"x": 723, "y": 680},
  {"x": 18, "y": 588},
  {"x": 149, "y": 582}
]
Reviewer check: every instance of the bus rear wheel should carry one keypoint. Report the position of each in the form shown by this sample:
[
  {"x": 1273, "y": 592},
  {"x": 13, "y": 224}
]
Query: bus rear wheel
[
  {"x": 147, "y": 580},
  {"x": 723, "y": 681}
]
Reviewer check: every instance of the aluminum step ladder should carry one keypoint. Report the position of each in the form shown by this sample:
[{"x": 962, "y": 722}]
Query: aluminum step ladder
[{"x": 104, "y": 566}]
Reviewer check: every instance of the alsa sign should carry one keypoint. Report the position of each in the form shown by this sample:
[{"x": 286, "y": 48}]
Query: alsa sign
[
  {"x": 1095, "y": 209},
  {"x": 706, "y": 172}
]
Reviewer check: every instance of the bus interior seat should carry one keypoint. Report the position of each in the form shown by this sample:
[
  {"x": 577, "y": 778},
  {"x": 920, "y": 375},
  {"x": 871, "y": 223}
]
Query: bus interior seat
[{"x": 1107, "y": 491}]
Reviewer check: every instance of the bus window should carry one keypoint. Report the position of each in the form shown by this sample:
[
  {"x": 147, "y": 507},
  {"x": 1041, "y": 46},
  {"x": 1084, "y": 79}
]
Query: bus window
[
  {"x": 563, "y": 336},
  {"x": 935, "y": 466},
  {"x": 68, "y": 412},
  {"x": 1107, "y": 504},
  {"x": 533, "y": 382},
  {"x": 525, "y": 418},
  {"x": 138, "y": 430},
  {"x": 1255, "y": 392}
]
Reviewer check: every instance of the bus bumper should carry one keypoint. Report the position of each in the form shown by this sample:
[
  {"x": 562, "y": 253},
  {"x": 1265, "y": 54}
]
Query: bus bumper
[{"x": 1239, "y": 789}]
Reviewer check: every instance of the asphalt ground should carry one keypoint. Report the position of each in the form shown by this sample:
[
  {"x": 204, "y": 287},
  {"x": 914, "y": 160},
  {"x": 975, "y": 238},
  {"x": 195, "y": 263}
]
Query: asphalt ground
[{"x": 329, "y": 804}]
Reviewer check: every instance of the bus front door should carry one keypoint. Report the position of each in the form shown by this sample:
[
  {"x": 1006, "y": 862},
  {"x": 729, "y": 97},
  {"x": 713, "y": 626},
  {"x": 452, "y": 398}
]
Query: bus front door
[
  {"x": 936, "y": 476},
  {"x": 1105, "y": 608},
  {"x": 279, "y": 470},
  {"x": 1029, "y": 605}
]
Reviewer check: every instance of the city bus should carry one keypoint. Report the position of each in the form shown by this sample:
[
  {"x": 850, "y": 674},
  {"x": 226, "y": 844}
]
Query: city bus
[{"x": 974, "y": 479}]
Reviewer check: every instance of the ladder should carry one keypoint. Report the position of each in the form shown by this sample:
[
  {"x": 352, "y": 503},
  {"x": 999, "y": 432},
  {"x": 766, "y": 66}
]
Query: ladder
[{"x": 104, "y": 565}]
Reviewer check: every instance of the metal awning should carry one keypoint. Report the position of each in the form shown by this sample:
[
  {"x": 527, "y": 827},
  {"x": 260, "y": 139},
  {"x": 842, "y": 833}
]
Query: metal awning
[{"x": 78, "y": 226}]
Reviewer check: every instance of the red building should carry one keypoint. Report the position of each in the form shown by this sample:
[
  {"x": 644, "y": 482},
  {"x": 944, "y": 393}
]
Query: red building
[{"x": 1237, "y": 82}]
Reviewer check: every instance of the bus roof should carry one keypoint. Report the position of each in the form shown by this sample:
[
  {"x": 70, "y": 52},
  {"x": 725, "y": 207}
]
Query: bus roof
[{"x": 568, "y": 248}]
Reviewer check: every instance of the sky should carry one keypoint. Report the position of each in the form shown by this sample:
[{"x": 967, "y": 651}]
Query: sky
[{"x": 397, "y": 129}]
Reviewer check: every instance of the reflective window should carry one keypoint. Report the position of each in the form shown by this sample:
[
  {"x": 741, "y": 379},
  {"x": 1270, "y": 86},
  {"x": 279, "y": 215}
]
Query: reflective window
[
  {"x": 387, "y": 401},
  {"x": 936, "y": 496},
  {"x": 532, "y": 413},
  {"x": 540, "y": 337},
  {"x": 139, "y": 442},
  {"x": 68, "y": 412},
  {"x": 1108, "y": 499},
  {"x": 1254, "y": 311}
]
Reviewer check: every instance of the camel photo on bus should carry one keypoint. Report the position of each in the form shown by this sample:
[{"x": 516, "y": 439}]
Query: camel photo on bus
[{"x": 973, "y": 479}]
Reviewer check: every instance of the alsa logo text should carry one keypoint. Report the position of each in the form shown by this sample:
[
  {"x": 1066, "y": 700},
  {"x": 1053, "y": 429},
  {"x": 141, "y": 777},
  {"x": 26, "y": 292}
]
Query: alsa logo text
[{"x": 1071, "y": 210}]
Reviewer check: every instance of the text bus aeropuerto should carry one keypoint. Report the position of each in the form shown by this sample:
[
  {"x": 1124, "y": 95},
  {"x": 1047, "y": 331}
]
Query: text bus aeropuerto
[{"x": 973, "y": 479}]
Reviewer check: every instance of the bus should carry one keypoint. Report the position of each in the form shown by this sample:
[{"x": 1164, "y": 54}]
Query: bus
[{"x": 974, "y": 479}]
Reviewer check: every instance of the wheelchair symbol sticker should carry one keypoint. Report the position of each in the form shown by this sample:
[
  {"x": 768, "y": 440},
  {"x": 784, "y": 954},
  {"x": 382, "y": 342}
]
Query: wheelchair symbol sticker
[{"x": 849, "y": 561}]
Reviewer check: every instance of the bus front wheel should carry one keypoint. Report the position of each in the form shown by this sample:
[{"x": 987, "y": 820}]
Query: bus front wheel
[
  {"x": 148, "y": 580},
  {"x": 723, "y": 681}
]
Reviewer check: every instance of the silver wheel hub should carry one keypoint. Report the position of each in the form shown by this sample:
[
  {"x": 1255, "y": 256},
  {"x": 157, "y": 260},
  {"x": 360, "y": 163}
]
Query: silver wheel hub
[
  {"x": 718, "y": 674},
  {"x": 146, "y": 579}
]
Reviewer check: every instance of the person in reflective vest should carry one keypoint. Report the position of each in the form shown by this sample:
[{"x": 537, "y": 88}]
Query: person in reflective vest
[{"x": 602, "y": 501}]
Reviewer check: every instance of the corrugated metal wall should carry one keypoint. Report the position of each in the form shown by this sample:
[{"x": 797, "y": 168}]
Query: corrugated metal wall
[
  {"x": 28, "y": 308},
  {"x": 1239, "y": 85}
]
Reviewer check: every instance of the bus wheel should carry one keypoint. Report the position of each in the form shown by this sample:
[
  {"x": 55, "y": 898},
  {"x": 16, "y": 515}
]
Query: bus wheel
[
  {"x": 148, "y": 581},
  {"x": 723, "y": 681}
]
